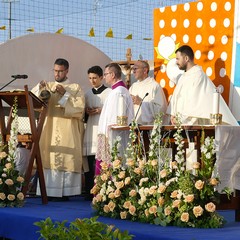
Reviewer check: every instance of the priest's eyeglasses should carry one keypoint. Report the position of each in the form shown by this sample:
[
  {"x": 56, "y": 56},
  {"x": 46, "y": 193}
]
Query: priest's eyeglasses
[
  {"x": 59, "y": 71},
  {"x": 135, "y": 68},
  {"x": 105, "y": 74}
]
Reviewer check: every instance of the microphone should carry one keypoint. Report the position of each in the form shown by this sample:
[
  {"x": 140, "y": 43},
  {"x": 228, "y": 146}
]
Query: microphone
[
  {"x": 140, "y": 105},
  {"x": 18, "y": 76}
]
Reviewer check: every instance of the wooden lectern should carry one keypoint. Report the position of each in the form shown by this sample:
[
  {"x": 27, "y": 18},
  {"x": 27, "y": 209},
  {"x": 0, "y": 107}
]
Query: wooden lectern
[{"x": 26, "y": 100}]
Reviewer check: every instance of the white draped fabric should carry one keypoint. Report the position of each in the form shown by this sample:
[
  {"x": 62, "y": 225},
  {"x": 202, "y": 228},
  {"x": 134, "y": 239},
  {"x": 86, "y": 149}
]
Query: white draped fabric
[{"x": 228, "y": 156}]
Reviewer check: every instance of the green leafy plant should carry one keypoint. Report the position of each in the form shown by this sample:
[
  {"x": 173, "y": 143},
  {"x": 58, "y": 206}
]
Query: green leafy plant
[
  {"x": 87, "y": 228},
  {"x": 10, "y": 180},
  {"x": 158, "y": 189}
]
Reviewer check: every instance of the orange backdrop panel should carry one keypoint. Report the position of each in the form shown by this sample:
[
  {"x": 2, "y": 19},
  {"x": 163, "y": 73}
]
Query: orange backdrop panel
[{"x": 207, "y": 26}]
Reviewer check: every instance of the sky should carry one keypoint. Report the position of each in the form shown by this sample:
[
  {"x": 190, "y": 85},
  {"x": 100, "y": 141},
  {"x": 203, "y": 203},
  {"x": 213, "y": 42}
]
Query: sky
[{"x": 132, "y": 19}]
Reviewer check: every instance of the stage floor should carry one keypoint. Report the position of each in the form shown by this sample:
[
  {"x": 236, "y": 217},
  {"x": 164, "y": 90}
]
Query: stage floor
[{"x": 17, "y": 223}]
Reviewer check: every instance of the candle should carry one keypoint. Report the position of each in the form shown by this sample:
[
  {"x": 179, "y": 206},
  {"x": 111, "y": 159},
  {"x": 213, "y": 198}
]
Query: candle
[
  {"x": 216, "y": 98},
  {"x": 121, "y": 105}
]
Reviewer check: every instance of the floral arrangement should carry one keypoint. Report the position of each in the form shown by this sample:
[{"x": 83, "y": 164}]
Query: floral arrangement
[
  {"x": 153, "y": 188},
  {"x": 10, "y": 180}
]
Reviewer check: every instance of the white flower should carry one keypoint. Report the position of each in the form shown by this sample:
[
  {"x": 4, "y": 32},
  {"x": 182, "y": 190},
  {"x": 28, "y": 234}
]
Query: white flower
[
  {"x": 208, "y": 155},
  {"x": 118, "y": 138}
]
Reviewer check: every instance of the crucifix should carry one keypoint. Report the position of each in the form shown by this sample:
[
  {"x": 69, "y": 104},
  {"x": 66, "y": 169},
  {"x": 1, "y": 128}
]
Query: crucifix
[{"x": 127, "y": 67}]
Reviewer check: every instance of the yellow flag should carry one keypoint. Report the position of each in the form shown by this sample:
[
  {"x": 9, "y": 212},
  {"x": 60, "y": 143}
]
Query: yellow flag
[
  {"x": 109, "y": 33},
  {"x": 30, "y": 30},
  {"x": 3, "y": 28},
  {"x": 91, "y": 32},
  {"x": 128, "y": 36},
  {"x": 59, "y": 30}
]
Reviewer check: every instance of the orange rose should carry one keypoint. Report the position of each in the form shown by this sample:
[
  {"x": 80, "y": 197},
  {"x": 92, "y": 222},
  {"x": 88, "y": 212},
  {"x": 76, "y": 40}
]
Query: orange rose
[
  {"x": 123, "y": 215},
  {"x": 119, "y": 185},
  {"x": 210, "y": 207},
  {"x": 185, "y": 217},
  {"x": 127, "y": 204},
  {"x": 153, "y": 209},
  {"x": 94, "y": 190},
  {"x": 138, "y": 171},
  {"x": 8, "y": 165},
  {"x": 146, "y": 212},
  {"x": 11, "y": 197},
  {"x": 161, "y": 189},
  {"x": 104, "y": 166},
  {"x": 9, "y": 182},
  {"x": 213, "y": 181},
  {"x": 174, "y": 164},
  {"x": 99, "y": 198},
  {"x": 130, "y": 162},
  {"x": 161, "y": 201},
  {"x": 116, "y": 164},
  {"x": 198, "y": 211},
  {"x": 121, "y": 175},
  {"x": 20, "y": 179},
  {"x": 174, "y": 194},
  {"x": 111, "y": 206},
  {"x": 167, "y": 211},
  {"x": 3, "y": 155},
  {"x": 133, "y": 193},
  {"x": 20, "y": 196},
  {"x": 127, "y": 180},
  {"x": 163, "y": 173},
  {"x": 132, "y": 210},
  {"x": 199, "y": 184},
  {"x": 152, "y": 190},
  {"x": 141, "y": 164},
  {"x": 2, "y": 196},
  {"x": 117, "y": 193},
  {"x": 176, "y": 203},
  {"x": 189, "y": 198},
  {"x": 154, "y": 162},
  {"x": 106, "y": 209},
  {"x": 111, "y": 195},
  {"x": 104, "y": 177}
]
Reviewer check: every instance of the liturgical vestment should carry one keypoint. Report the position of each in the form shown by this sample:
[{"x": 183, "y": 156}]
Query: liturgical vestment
[{"x": 61, "y": 140}]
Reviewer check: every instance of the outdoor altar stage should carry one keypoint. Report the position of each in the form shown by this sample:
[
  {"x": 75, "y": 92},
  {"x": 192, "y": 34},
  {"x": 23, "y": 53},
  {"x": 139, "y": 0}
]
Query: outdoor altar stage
[{"x": 17, "y": 223}]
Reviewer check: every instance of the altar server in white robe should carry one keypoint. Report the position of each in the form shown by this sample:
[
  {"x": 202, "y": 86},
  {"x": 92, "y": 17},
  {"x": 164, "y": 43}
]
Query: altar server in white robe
[
  {"x": 193, "y": 95},
  {"x": 61, "y": 138},
  {"x": 94, "y": 100},
  {"x": 111, "y": 109},
  {"x": 148, "y": 96}
]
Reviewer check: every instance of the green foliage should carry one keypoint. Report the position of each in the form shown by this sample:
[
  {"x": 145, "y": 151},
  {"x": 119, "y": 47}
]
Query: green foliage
[{"x": 80, "y": 229}]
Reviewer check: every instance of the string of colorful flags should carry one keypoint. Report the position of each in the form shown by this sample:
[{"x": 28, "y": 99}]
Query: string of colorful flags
[{"x": 91, "y": 33}]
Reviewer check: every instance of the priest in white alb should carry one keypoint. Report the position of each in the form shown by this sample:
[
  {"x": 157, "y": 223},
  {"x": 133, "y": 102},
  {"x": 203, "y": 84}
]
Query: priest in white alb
[
  {"x": 118, "y": 102},
  {"x": 148, "y": 96},
  {"x": 193, "y": 96}
]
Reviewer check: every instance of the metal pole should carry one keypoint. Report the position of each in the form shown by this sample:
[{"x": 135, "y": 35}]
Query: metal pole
[{"x": 10, "y": 20}]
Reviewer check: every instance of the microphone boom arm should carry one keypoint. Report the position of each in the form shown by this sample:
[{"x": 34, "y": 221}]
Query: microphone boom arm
[
  {"x": 140, "y": 106},
  {"x": 7, "y": 84}
]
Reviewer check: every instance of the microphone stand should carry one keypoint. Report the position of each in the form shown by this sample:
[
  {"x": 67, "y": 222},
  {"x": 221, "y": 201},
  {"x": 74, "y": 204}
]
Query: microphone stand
[
  {"x": 7, "y": 84},
  {"x": 140, "y": 106}
]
